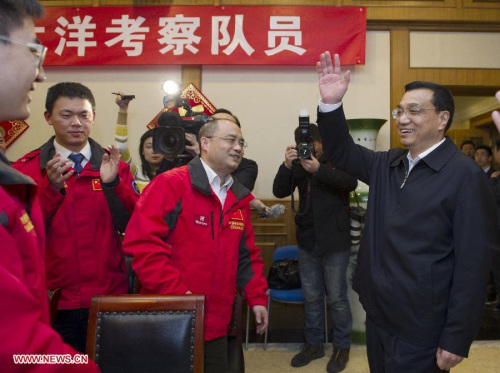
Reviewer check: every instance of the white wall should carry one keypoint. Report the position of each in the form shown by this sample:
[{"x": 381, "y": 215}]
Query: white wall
[{"x": 266, "y": 99}]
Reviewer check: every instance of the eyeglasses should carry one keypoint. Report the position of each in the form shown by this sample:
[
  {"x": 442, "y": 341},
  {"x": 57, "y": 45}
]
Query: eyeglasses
[
  {"x": 412, "y": 112},
  {"x": 230, "y": 140},
  {"x": 38, "y": 50}
]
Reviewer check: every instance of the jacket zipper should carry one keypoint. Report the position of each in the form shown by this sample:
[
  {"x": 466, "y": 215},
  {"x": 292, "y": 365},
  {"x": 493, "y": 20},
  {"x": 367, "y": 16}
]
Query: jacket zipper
[
  {"x": 406, "y": 177},
  {"x": 212, "y": 223}
]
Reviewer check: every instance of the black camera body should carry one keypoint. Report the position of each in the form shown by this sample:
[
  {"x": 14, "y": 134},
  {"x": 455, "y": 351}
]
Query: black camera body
[
  {"x": 169, "y": 138},
  {"x": 304, "y": 147}
]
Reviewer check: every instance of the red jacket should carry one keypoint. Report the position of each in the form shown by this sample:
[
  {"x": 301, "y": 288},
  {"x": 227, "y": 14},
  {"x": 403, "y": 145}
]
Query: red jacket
[
  {"x": 84, "y": 256},
  {"x": 183, "y": 240},
  {"x": 24, "y": 311}
]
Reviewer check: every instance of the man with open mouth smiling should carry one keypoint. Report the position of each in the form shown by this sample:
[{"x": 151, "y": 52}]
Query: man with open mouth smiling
[{"x": 426, "y": 247}]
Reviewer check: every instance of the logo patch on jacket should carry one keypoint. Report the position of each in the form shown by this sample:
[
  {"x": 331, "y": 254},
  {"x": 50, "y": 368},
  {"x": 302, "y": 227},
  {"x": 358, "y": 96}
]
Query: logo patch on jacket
[
  {"x": 236, "y": 221},
  {"x": 201, "y": 220},
  {"x": 96, "y": 184},
  {"x": 26, "y": 222}
]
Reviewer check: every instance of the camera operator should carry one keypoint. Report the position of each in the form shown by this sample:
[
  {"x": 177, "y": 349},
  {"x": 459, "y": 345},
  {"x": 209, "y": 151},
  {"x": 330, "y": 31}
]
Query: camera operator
[
  {"x": 324, "y": 242},
  {"x": 190, "y": 148}
]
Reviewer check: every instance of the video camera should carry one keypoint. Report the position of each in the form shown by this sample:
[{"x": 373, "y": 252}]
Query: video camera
[
  {"x": 169, "y": 137},
  {"x": 304, "y": 147}
]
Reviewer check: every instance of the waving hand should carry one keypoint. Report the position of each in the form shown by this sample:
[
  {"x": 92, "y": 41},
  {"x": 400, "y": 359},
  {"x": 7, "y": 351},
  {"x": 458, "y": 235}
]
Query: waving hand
[{"x": 332, "y": 85}]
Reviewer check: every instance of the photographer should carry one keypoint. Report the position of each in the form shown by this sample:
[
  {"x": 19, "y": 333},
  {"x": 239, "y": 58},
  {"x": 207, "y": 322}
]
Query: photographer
[{"x": 324, "y": 242}]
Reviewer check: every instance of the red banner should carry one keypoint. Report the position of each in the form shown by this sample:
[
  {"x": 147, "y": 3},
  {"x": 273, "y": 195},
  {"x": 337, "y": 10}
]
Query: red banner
[{"x": 202, "y": 35}]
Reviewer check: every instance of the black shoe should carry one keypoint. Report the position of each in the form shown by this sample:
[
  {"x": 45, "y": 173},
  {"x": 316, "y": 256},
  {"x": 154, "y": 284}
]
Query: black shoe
[
  {"x": 307, "y": 354},
  {"x": 339, "y": 360}
]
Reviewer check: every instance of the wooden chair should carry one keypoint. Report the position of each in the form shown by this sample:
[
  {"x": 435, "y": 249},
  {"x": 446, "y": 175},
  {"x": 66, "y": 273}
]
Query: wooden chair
[
  {"x": 236, "y": 360},
  {"x": 54, "y": 296},
  {"x": 147, "y": 333}
]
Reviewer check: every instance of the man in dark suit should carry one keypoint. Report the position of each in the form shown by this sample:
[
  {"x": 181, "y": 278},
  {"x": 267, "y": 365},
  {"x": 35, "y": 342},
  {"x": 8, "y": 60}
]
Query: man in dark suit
[
  {"x": 324, "y": 242},
  {"x": 427, "y": 244},
  {"x": 483, "y": 157}
]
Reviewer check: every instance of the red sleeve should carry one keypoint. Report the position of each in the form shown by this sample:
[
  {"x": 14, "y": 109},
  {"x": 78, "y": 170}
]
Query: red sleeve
[
  {"x": 256, "y": 288},
  {"x": 23, "y": 329},
  {"x": 146, "y": 234}
]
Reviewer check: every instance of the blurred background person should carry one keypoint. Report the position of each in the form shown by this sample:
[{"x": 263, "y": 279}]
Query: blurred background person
[
  {"x": 483, "y": 157},
  {"x": 468, "y": 148}
]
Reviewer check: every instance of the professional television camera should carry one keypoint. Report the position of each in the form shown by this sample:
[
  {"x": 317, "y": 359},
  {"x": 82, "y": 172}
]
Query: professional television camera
[{"x": 169, "y": 137}]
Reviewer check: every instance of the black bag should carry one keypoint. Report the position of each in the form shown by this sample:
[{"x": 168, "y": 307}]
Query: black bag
[{"x": 284, "y": 275}]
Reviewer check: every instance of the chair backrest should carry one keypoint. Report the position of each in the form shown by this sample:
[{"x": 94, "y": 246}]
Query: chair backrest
[
  {"x": 54, "y": 296},
  {"x": 286, "y": 252},
  {"x": 147, "y": 333}
]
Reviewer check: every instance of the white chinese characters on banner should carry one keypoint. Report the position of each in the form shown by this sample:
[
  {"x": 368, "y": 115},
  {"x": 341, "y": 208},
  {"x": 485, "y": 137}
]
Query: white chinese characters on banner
[
  {"x": 220, "y": 25},
  {"x": 130, "y": 33},
  {"x": 290, "y": 29},
  {"x": 200, "y": 35},
  {"x": 178, "y": 33},
  {"x": 78, "y": 38}
]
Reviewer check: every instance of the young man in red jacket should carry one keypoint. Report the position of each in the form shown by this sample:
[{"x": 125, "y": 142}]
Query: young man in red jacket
[
  {"x": 24, "y": 314},
  {"x": 87, "y": 196},
  {"x": 191, "y": 233}
]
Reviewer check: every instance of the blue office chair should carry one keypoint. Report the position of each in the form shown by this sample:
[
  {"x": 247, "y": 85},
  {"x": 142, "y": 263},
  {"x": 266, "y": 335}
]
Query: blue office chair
[{"x": 284, "y": 296}]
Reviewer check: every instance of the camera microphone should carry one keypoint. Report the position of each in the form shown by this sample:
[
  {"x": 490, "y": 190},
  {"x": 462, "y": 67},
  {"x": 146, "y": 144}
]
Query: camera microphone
[{"x": 274, "y": 211}]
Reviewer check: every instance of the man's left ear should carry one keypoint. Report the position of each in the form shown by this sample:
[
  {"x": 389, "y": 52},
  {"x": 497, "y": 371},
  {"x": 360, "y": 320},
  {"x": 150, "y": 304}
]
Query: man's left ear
[{"x": 444, "y": 116}]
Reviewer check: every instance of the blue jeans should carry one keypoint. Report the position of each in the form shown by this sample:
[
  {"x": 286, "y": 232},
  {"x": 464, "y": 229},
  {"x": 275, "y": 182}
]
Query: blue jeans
[{"x": 320, "y": 272}]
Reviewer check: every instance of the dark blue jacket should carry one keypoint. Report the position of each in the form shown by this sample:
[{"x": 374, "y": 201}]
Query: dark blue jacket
[{"x": 426, "y": 248}]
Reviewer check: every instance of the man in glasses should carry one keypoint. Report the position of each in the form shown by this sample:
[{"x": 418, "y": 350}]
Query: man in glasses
[
  {"x": 191, "y": 233},
  {"x": 24, "y": 314},
  {"x": 426, "y": 247}
]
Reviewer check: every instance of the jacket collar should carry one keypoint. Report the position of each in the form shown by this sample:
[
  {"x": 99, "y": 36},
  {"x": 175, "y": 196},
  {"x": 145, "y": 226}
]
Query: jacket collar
[
  {"x": 47, "y": 153},
  {"x": 435, "y": 159},
  {"x": 9, "y": 176},
  {"x": 199, "y": 180}
]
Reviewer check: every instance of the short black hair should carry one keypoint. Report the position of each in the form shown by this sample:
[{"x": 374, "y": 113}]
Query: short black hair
[
  {"x": 467, "y": 142},
  {"x": 497, "y": 145},
  {"x": 13, "y": 14},
  {"x": 225, "y": 111},
  {"x": 442, "y": 98},
  {"x": 485, "y": 147},
  {"x": 70, "y": 90}
]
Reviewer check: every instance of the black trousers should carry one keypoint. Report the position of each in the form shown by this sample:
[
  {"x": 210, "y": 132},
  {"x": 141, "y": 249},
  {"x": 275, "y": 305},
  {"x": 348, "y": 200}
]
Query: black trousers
[
  {"x": 72, "y": 327},
  {"x": 389, "y": 354},
  {"x": 216, "y": 355}
]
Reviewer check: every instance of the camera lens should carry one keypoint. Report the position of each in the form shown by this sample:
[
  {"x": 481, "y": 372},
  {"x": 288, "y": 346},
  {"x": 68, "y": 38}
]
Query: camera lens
[{"x": 168, "y": 140}]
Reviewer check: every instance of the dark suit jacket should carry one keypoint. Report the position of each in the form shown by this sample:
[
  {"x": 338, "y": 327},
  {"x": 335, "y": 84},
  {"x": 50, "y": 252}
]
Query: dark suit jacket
[{"x": 426, "y": 247}]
